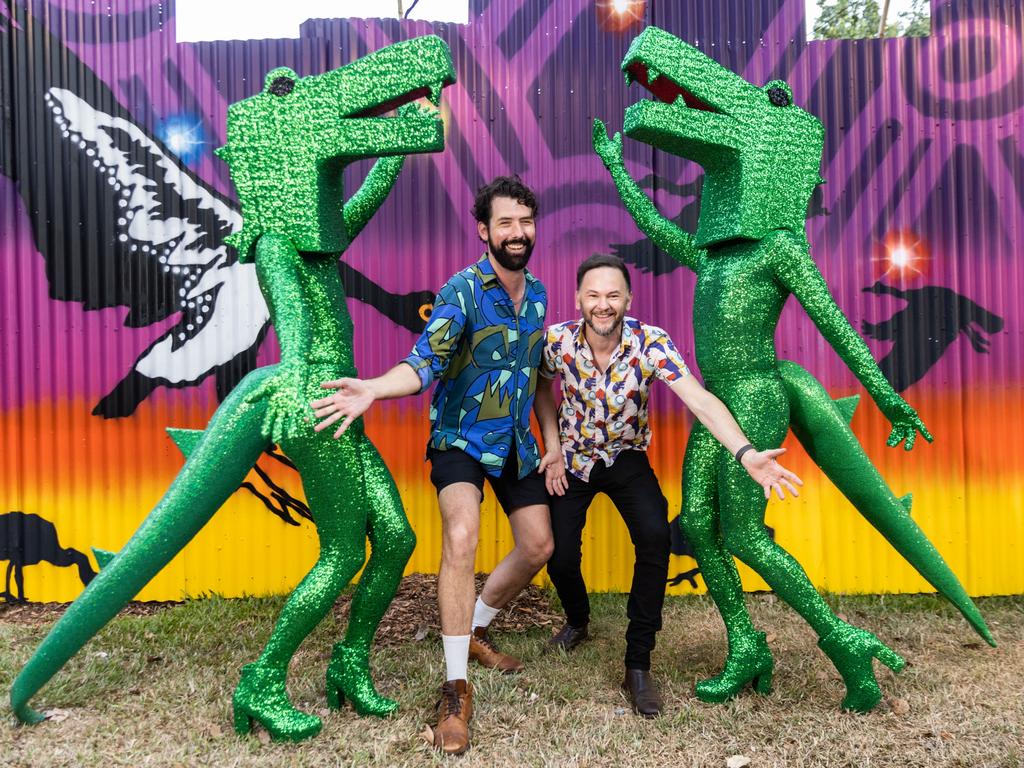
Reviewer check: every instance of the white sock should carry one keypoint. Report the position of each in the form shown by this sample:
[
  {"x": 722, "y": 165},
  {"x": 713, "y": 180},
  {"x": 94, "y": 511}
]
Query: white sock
[
  {"x": 456, "y": 655},
  {"x": 483, "y": 614}
]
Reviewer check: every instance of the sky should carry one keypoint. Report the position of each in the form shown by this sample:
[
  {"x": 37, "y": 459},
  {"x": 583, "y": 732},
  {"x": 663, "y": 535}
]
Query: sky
[{"x": 235, "y": 20}]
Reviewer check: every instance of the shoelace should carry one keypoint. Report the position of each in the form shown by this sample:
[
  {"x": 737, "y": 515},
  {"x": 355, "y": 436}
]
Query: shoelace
[
  {"x": 485, "y": 641},
  {"x": 450, "y": 698}
]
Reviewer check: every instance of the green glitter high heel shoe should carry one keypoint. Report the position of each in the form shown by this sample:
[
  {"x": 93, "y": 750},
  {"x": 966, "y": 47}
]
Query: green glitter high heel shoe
[
  {"x": 348, "y": 677},
  {"x": 749, "y": 661},
  {"x": 261, "y": 696},
  {"x": 852, "y": 651}
]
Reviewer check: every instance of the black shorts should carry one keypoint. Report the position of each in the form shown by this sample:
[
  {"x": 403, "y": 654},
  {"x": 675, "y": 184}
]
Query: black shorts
[{"x": 456, "y": 466}]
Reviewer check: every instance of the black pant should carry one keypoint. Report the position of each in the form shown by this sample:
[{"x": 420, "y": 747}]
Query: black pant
[{"x": 633, "y": 488}]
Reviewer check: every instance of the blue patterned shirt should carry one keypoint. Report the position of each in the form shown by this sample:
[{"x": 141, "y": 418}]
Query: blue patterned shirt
[{"x": 484, "y": 358}]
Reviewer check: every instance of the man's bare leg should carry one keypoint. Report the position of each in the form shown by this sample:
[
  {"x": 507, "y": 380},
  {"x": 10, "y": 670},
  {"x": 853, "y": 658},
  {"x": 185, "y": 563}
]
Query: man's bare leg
[
  {"x": 460, "y": 530},
  {"x": 531, "y": 530}
]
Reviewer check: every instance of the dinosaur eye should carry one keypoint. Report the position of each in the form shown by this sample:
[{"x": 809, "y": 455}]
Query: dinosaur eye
[
  {"x": 282, "y": 86},
  {"x": 779, "y": 97}
]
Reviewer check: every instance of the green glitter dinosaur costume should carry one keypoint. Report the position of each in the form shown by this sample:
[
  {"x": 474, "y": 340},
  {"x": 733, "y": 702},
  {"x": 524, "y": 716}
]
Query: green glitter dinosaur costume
[
  {"x": 761, "y": 157},
  {"x": 286, "y": 148}
]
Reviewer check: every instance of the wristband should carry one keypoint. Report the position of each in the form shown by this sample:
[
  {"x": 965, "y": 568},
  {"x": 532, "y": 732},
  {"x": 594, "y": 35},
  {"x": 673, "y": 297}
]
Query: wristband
[{"x": 741, "y": 451}]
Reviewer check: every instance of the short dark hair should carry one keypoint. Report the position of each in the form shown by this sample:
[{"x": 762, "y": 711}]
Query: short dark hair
[
  {"x": 502, "y": 186},
  {"x": 602, "y": 260}
]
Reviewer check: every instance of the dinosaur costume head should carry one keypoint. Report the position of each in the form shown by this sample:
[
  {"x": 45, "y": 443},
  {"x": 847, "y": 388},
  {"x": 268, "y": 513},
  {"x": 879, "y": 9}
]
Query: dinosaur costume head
[
  {"x": 761, "y": 154},
  {"x": 287, "y": 146}
]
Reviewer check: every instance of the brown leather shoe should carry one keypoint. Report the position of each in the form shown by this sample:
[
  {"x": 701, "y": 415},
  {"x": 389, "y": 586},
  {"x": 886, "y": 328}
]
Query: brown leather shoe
[
  {"x": 643, "y": 693},
  {"x": 454, "y": 711},
  {"x": 483, "y": 652}
]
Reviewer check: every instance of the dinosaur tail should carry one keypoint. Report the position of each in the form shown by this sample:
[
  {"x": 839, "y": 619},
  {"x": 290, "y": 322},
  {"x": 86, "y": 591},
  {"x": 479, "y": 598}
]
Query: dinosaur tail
[
  {"x": 823, "y": 427},
  {"x": 218, "y": 459}
]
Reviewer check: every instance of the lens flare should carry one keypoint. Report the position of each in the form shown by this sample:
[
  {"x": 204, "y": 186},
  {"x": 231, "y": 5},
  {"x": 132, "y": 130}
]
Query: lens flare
[
  {"x": 902, "y": 255},
  {"x": 620, "y": 15}
]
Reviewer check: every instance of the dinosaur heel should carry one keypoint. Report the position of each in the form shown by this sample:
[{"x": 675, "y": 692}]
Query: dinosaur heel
[
  {"x": 749, "y": 661},
  {"x": 853, "y": 651},
  {"x": 348, "y": 676},
  {"x": 762, "y": 684},
  {"x": 335, "y": 694},
  {"x": 243, "y": 720}
]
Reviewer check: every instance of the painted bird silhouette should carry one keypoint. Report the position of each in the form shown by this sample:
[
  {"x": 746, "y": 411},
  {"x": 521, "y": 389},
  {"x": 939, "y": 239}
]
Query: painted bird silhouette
[
  {"x": 923, "y": 330},
  {"x": 27, "y": 539},
  {"x": 150, "y": 237}
]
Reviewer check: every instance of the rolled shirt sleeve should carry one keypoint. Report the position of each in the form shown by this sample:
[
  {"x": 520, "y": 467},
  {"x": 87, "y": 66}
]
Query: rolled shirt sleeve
[{"x": 433, "y": 351}]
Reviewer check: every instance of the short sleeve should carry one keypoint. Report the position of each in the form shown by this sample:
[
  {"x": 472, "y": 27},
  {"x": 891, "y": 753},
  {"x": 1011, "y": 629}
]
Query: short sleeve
[
  {"x": 551, "y": 358},
  {"x": 663, "y": 357}
]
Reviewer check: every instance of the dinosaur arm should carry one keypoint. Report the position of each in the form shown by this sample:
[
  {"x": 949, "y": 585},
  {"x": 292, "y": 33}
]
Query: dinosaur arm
[
  {"x": 796, "y": 271},
  {"x": 676, "y": 242},
  {"x": 359, "y": 208}
]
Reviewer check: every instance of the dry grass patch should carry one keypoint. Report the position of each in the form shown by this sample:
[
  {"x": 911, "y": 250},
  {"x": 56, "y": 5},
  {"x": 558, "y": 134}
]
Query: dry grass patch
[{"x": 155, "y": 689}]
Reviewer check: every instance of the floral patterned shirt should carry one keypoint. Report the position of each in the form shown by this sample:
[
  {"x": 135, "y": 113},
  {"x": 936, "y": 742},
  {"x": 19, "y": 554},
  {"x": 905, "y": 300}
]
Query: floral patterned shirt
[{"x": 605, "y": 413}]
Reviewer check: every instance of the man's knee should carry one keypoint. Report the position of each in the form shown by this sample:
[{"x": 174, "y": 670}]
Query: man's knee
[
  {"x": 459, "y": 542},
  {"x": 537, "y": 549}
]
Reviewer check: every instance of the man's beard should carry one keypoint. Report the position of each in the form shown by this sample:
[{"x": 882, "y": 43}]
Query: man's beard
[
  {"x": 616, "y": 324},
  {"x": 511, "y": 261}
]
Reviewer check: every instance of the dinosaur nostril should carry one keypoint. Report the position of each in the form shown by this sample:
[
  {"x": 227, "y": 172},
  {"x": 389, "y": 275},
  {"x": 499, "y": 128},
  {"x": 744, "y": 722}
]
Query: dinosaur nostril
[
  {"x": 282, "y": 86},
  {"x": 779, "y": 97}
]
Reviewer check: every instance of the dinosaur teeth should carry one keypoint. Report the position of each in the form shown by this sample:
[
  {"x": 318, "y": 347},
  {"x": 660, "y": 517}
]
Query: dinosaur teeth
[
  {"x": 435, "y": 94},
  {"x": 630, "y": 78},
  {"x": 652, "y": 74}
]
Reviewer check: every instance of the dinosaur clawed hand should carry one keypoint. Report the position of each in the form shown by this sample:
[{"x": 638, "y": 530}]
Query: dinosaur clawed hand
[
  {"x": 287, "y": 409},
  {"x": 906, "y": 425},
  {"x": 608, "y": 149}
]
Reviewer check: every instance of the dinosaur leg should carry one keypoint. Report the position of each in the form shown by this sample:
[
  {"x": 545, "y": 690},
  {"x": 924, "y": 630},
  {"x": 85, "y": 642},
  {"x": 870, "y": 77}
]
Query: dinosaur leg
[
  {"x": 392, "y": 542},
  {"x": 332, "y": 479},
  {"x": 223, "y": 455},
  {"x": 749, "y": 659},
  {"x": 761, "y": 409},
  {"x": 822, "y": 426}
]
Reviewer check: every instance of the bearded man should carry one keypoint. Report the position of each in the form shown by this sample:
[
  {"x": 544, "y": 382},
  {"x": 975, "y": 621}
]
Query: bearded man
[{"x": 482, "y": 347}]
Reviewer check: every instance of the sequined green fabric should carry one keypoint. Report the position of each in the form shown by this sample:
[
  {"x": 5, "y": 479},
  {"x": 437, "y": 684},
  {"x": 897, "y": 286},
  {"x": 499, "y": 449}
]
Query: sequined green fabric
[
  {"x": 286, "y": 149},
  {"x": 761, "y": 156}
]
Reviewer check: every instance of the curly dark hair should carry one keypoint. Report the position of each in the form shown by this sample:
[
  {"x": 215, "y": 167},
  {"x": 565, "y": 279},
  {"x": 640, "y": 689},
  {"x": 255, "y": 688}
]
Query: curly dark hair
[
  {"x": 602, "y": 260},
  {"x": 502, "y": 186}
]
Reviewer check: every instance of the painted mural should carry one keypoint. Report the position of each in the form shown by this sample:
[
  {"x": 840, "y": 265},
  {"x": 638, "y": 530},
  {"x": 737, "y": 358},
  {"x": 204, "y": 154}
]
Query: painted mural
[{"x": 123, "y": 310}]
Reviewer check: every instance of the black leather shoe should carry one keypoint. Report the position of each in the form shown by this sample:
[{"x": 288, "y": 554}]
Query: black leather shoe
[
  {"x": 643, "y": 693},
  {"x": 568, "y": 637}
]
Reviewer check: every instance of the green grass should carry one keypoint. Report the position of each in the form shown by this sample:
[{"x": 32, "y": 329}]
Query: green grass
[{"x": 156, "y": 690}]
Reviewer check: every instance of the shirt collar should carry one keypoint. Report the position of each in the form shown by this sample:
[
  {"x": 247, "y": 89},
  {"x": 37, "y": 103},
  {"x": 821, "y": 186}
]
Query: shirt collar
[
  {"x": 488, "y": 276},
  {"x": 628, "y": 339}
]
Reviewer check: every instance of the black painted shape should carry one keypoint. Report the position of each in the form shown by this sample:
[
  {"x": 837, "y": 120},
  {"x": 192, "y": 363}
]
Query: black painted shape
[
  {"x": 27, "y": 539},
  {"x": 409, "y": 310},
  {"x": 521, "y": 25},
  {"x": 925, "y": 329},
  {"x": 859, "y": 67}
]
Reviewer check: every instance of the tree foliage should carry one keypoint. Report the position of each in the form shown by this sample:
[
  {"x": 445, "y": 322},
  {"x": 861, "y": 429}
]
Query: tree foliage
[{"x": 849, "y": 19}]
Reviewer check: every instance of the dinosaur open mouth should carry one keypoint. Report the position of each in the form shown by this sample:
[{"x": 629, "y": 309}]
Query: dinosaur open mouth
[
  {"x": 430, "y": 92},
  {"x": 663, "y": 87}
]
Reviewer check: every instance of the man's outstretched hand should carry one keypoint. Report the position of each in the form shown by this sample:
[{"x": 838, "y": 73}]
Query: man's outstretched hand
[
  {"x": 769, "y": 474},
  {"x": 351, "y": 399}
]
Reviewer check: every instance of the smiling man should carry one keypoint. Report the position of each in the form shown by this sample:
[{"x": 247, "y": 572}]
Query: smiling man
[
  {"x": 482, "y": 347},
  {"x": 607, "y": 362}
]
